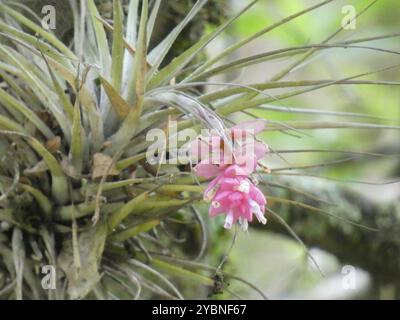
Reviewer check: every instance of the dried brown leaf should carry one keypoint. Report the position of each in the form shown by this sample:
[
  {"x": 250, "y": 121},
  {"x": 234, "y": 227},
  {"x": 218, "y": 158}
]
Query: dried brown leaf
[{"x": 103, "y": 166}]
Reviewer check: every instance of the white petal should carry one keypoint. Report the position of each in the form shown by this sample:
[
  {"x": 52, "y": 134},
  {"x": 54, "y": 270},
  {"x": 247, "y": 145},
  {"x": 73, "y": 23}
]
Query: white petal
[
  {"x": 255, "y": 208},
  {"x": 228, "y": 221},
  {"x": 261, "y": 218}
]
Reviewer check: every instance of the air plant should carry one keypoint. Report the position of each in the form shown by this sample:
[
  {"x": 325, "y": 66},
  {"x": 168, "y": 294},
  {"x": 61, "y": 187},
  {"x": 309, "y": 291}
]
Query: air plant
[{"x": 77, "y": 193}]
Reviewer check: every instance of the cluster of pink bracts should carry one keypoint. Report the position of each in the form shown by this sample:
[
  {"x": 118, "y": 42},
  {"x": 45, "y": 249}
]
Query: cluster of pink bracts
[{"x": 231, "y": 191}]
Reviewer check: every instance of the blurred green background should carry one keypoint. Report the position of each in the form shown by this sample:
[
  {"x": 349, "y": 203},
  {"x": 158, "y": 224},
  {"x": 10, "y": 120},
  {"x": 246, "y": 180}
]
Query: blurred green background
[{"x": 276, "y": 264}]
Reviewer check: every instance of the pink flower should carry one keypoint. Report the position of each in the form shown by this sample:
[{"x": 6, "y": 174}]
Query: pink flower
[
  {"x": 233, "y": 194},
  {"x": 215, "y": 156}
]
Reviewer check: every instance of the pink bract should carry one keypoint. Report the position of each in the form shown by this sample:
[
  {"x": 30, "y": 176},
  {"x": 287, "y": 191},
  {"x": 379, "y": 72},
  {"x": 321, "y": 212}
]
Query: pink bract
[
  {"x": 215, "y": 156},
  {"x": 233, "y": 194}
]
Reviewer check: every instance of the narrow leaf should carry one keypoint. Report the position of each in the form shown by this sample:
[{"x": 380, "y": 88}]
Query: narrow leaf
[
  {"x": 118, "y": 47},
  {"x": 181, "y": 61},
  {"x": 136, "y": 92},
  {"x": 120, "y": 106}
]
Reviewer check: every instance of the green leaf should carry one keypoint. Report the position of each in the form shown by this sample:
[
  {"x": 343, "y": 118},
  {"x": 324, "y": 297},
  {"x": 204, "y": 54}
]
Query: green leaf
[
  {"x": 11, "y": 104},
  {"x": 120, "y": 106},
  {"x": 116, "y": 218},
  {"x": 136, "y": 89},
  {"x": 39, "y": 30},
  {"x": 36, "y": 82},
  {"x": 132, "y": 19},
  {"x": 245, "y": 102},
  {"x": 180, "y": 272},
  {"x": 136, "y": 85},
  {"x": 41, "y": 199},
  {"x": 313, "y": 125},
  {"x": 77, "y": 141},
  {"x": 28, "y": 40},
  {"x": 175, "y": 188},
  {"x": 101, "y": 38},
  {"x": 157, "y": 55},
  {"x": 8, "y": 124},
  {"x": 134, "y": 231},
  {"x": 279, "y": 53},
  {"x": 68, "y": 107},
  {"x": 126, "y": 162},
  {"x": 258, "y": 87},
  {"x": 15, "y": 86},
  {"x": 59, "y": 182},
  {"x": 172, "y": 69},
  {"x": 130, "y": 39},
  {"x": 152, "y": 19},
  {"x": 88, "y": 103},
  {"x": 118, "y": 47}
]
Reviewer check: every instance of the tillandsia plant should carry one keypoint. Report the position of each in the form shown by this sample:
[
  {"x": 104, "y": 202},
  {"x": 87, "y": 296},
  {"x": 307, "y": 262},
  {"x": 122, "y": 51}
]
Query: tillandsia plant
[{"x": 79, "y": 196}]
